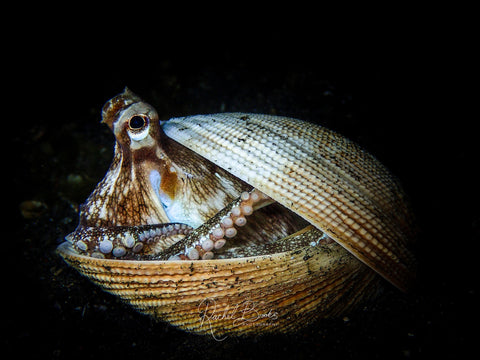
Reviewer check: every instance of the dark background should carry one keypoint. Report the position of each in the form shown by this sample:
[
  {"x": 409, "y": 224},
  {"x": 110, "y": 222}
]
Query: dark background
[{"x": 399, "y": 109}]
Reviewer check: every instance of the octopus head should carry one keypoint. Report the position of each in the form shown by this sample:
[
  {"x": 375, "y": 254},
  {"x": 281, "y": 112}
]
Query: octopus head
[{"x": 133, "y": 122}]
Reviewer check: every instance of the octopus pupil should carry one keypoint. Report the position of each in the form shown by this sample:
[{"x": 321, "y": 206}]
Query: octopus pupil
[{"x": 137, "y": 122}]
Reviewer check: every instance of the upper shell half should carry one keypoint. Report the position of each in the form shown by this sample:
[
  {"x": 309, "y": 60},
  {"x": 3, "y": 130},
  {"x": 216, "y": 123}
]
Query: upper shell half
[{"x": 327, "y": 179}]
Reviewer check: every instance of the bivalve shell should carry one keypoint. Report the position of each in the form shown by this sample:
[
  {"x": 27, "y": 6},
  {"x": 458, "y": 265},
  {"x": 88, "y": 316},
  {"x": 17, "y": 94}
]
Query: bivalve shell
[{"x": 272, "y": 293}]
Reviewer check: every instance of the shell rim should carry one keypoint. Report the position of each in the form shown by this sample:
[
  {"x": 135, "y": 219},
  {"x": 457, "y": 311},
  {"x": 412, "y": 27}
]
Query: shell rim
[{"x": 66, "y": 249}]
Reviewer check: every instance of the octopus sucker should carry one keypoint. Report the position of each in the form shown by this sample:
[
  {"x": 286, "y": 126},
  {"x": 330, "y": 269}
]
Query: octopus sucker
[
  {"x": 230, "y": 207},
  {"x": 127, "y": 241}
]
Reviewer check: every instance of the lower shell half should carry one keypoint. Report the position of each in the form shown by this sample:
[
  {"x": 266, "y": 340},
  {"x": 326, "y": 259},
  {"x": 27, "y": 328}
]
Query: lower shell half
[{"x": 276, "y": 293}]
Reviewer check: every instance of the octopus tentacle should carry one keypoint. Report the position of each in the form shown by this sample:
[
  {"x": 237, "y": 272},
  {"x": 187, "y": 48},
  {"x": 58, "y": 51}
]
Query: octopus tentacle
[
  {"x": 125, "y": 242},
  {"x": 177, "y": 241},
  {"x": 203, "y": 242},
  {"x": 308, "y": 236}
]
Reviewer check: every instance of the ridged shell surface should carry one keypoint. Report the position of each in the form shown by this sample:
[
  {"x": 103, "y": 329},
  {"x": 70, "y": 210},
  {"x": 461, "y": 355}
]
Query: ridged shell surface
[
  {"x": 274, "y": 293},
  {"x": 317, "y": 173}
]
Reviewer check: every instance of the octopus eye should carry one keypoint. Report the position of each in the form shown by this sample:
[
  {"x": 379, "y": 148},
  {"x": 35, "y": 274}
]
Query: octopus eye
[
  {"x": 137, "y": 122},
  {"x": 138, "y": 127}
]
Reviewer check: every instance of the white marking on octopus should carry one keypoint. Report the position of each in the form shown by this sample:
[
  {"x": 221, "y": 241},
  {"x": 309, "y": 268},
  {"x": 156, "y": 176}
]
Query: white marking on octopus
[
  {"x": 137, "y": 137},
  {"x": 155, "y": 179},
  {"x": 102, "y": 213}
]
